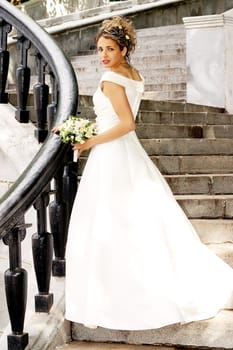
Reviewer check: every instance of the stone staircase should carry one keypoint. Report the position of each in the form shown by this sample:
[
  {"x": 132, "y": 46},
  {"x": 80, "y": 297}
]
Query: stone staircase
[
  {"x": 159, "y": 56},
  {"x": 192, "y": 147}
]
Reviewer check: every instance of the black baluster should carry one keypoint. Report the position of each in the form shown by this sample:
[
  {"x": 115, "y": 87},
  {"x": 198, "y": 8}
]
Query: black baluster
[
  {"x": 5, "y": 28},
  {"x": 16, "y": 288},
  {"x": 58, "y": 224},
  {"x": 60, "y": 210},
  {"x": 41, "y": 98},
  {"x": 51, "y": 109},
  {"x": 22, "y": 80},
  {"x": 70, "y": 181},
  {"x": 42, "y": 247}
]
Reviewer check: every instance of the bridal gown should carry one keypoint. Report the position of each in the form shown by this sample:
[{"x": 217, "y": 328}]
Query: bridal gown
[{"x": 134, "y": 260}]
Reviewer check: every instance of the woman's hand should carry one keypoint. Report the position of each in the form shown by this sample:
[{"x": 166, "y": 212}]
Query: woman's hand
[
  {"x": 84, "y": 146},
  {"x": 56, "y": 129}
]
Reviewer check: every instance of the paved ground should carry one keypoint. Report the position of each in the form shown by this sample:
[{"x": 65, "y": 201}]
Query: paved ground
[{"x": 104, "y": 346}]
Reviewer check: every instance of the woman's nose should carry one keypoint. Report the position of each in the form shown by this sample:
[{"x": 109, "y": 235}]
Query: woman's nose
[{"x": 104, "y": 53}]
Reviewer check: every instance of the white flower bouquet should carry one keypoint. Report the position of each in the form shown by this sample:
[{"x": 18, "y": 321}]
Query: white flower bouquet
[{"x": 77, "y": 130}]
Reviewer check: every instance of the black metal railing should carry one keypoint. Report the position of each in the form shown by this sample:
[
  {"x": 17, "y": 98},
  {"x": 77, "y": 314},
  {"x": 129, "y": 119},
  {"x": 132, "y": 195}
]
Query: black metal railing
[{"x": 53, "y": 161}]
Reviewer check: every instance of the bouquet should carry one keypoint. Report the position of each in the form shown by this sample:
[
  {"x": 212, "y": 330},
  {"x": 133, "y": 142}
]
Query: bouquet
[{"x": 76, "y": 130}]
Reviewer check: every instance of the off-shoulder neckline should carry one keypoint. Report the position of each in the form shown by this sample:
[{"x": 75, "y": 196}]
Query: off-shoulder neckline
[{"x": 123, "y": 76}]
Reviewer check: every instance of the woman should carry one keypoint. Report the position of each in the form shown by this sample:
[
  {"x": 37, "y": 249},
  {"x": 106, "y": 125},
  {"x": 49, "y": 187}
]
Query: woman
[{"x": 133, "y": 259}]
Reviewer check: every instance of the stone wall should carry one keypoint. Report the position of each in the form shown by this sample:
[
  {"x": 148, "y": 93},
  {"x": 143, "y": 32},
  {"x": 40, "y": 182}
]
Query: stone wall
[
  {"x": 39, "y": 9},
  {"x": 164, "y": 13}
]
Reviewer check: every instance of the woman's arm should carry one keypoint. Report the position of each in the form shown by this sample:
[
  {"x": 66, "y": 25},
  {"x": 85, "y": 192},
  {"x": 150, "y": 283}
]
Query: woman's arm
[{"x": 116, "y": 94}]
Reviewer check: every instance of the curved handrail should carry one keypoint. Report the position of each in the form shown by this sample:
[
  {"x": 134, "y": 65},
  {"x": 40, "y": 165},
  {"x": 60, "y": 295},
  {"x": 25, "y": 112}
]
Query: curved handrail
[{"x": 43, "y": 167}]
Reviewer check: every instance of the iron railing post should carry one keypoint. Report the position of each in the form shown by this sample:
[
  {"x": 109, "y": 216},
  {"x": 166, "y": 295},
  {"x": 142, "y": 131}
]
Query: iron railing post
[
  {"x": 42, "y": 248},
  {"x": 23, "y": 73},
  {"x": 16, "y": 288},
  {"x": 5, "y": 28}
]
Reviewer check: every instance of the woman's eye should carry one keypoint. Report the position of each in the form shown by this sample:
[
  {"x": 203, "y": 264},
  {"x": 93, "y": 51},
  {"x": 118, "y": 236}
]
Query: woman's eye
[{"x": 100, "y": 49}]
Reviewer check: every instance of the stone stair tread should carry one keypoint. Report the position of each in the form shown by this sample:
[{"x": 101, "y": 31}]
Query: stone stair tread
[
  {"x": 166, "y": 95},
  {"x": 198, "y": 175},
  {"x": 203, "y": 196},
  {"x": 188, "y": 146},
  {"x": 193, "y": 164},
  {"x": 167, "y": 86},
  {"x": 74, "y": 345},
  {"x": 194, "y": 131},
  {"x": 200, "y": 183},
  {"x": 214, "y": 333},
  {"x": 206, "y": 206},
  {"x": 162, "y": 29},
  {"x": 214, "y": 231},
  {"x": 177, "y": 118},
  {"x": 163, "y": 46},
  {"x": 174, "y": 106}
]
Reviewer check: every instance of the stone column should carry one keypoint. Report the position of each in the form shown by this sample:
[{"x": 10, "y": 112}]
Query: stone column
[{"x": 209, "y": 57}]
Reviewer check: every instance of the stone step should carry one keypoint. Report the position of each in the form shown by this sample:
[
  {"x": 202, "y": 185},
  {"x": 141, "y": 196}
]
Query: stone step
[
  {"x": 156, "y": 35},
  {"x": 201, "y": 184},
  {"x": 168, "y": 51},
  {"x": 215, "y": 334},
  {"x": 214, "y": 231},
  {"x": 86, "y": 345},
  {"x": 174, "y": 106},
  {"x": 159, "y": 34},
  {"x": 166, "y": 87},
  {"x": 183, "y": 117},
  {"x": 188, "y": 146},
  {"x": 198, "y": 164},
  {"x": 184, "y": 131},
  {"x": 180, "y": 165},
  {"x": 164, "y": 95},
  {"x": 159, "y": 58},
  {"x": 206, "y": 206},
  {"x": 164, "y": 75},
  {"x": 161, "y": 46},
  {"x": 162, "y": 30}
]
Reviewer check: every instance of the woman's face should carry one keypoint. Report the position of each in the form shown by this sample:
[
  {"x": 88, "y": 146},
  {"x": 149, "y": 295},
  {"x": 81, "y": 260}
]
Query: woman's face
[{"x": 110, "y": 53}]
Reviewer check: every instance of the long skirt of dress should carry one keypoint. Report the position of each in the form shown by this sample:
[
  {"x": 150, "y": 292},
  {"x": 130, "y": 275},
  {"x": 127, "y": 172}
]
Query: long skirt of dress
[{"x": 134, "y": 260}]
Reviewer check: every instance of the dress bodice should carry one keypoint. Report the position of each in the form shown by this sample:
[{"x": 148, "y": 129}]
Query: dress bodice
[{"x": 106, "y": 115}]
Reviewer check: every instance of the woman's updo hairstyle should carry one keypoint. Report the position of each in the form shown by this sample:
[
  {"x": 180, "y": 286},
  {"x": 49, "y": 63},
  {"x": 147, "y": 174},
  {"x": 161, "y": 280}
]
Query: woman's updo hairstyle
[{"x": 120, "y": 30}]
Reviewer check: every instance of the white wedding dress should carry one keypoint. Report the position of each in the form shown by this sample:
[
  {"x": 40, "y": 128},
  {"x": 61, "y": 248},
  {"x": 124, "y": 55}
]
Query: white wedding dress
[{"x": 134, "y": 260}]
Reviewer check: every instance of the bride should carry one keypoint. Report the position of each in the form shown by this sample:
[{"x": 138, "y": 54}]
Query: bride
[{"x": 134, "y": 260}]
